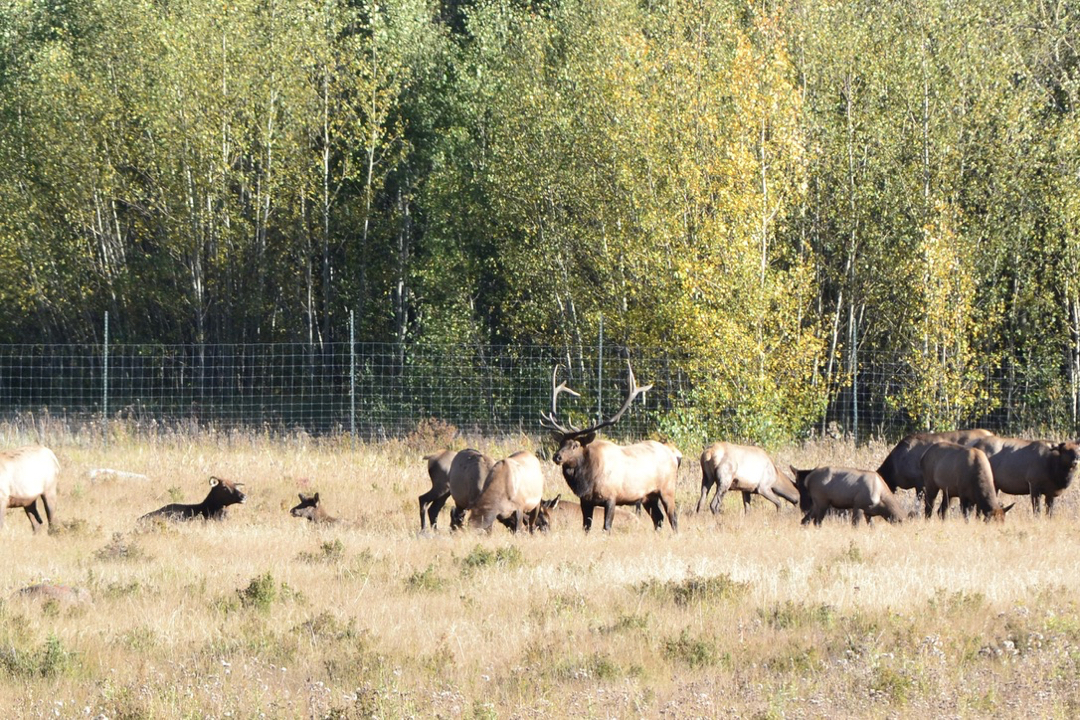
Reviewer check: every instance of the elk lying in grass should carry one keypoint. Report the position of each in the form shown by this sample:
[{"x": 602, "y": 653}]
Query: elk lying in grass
[
  {"x": 1031, "y": 467},
  {"x": 311, "y": 509},
  {"x": 834, "y": 488},
  {"x": 727, "y": 466},
  {"x": 431, "y": 502},
  {"x": 902, "y": 466},
  {"x": 222, "y": 494},
  {"x": 512, "y": 492},
  {"x": 961, "y": 472},
  {"x": 604, "y": 474},
  {"x": 26, "y": 474}
]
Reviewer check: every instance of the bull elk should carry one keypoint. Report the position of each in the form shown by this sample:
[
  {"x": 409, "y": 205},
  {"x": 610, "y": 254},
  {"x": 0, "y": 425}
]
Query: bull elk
[{"x": 602, "y": 473}]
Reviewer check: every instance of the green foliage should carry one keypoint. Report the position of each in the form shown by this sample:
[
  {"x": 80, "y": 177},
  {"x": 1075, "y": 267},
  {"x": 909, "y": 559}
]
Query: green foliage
[
  {"x": 260, "y": 593},
  {"x": 508, "y": 556},
  {"x": 792, "y": 198},
  {"x": 694, "y": 590}
]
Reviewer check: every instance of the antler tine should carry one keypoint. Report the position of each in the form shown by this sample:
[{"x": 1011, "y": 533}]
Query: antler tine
[
  {"x": 548, "y": 419},
  {"x": 631, "y": 395}
]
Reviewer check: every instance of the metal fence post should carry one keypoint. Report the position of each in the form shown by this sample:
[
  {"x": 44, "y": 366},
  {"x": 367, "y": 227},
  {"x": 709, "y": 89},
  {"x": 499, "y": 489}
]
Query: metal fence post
[
  {"x": 600, "y": 374},
  {"x": 352, "y": 375},
  {"x": 105, "y": 381}
]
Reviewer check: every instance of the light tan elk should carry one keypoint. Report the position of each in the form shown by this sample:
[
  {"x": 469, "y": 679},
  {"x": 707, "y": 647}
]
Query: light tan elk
[
  {"x": 26, "y": 474},
  {"x": 838, "y": 488},
  {"x": 512, "y": 494},
  {"x": 604, "y": 474},
  {"x": 747, "y": 469}
]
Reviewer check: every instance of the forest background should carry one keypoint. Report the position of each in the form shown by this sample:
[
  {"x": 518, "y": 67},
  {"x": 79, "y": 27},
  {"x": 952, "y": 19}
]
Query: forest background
[{"x": 778, "y": 193}]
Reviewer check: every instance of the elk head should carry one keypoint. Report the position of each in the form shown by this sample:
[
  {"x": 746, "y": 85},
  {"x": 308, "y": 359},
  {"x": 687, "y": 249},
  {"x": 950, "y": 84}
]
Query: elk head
[{"x": 574, "y": 441}]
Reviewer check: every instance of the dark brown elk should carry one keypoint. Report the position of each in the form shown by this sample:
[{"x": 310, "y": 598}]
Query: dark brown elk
[
  {"x": 431, "y": 502},
  {"x": 310, "y": 508},
  {"x": 727, "y": 466},
  {"x": 902, "y": 466},
  {"x": 26, "y": 474},
  {"x": 222, "y": 494},
  {"x": 958, "y": 471},
  {"x": 1032, "y": 467},
  {"x": 604, "y": 474},
  {"x": 512, "y": 493},
  {"x": 835, "y": 488}
]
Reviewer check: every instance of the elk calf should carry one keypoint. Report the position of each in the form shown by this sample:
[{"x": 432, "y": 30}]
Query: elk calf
[{"x": 311, "y": 509}]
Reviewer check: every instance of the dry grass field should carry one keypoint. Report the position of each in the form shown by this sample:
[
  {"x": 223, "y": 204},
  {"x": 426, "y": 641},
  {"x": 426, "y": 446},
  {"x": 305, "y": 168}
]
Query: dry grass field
[{"x": 735, "y": 616}]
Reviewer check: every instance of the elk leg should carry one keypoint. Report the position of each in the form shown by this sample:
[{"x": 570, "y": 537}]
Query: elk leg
[
  {"x": 586, "y": 515},
  {"x": 706, "y": 486},
  {"x": 746, "y": 502},
  {"x": 652, "y": 504},
  {"x": 518, "y": 519},
  {"x": 672, "y": 514},
  {"x": 1036, "y": 506},
  {"x": 856, "y": 514},
  {"x": 457, "y": 518},
  {"x": 431, "y": 504},
  {"x": 1049, "y": 505},
  {"x": 929, "y": 496},
  {"x": 819, "y": 514},
  {"x": 32, "y": 513},
  {"x": 944, "y": 507},
  {"x": 609, "y": 514},
  {"x": 766, "y": 493},
  {"x": 48, "y": 501}
]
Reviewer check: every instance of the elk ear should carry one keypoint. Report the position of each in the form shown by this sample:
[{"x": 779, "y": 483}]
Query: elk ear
[
  {"x": 555, "y": 503},
  {"x": 586, "y": 439},
  {"x": 214, "y": 481},
  {"x": 301, "y": 496},
  {"x": 1007, "y": 509},
  {"x": 315, "y": 498}
]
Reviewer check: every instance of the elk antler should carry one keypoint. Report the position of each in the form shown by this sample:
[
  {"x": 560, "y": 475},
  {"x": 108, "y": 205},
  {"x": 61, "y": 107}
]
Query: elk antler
[
  {"x": 632, "y": 392},
  {"x": 549, "y": 420}
]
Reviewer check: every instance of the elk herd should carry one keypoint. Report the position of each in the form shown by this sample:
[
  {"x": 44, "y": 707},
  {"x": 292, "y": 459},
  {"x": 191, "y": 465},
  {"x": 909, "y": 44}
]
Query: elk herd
[{"x": 972, "y": 466}]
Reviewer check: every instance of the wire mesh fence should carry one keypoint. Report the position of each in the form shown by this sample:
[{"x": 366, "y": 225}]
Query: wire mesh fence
[{"x": 380, "y": 390}]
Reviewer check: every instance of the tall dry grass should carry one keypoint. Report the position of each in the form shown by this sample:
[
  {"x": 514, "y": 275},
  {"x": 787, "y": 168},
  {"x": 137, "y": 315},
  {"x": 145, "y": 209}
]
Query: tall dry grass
[{"x": 736, "y": 615}]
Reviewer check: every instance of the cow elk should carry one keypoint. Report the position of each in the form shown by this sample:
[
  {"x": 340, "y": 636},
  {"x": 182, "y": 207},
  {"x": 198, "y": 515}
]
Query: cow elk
[
  {"x": 222, "y": 494},
  {"x": 431, "y": 502},
  {"x": 727, "y": 466},
  {"x": 962, "y": 472},
  {"x": 26, "y": 474},
  {"x": 604, "y": 474},
  {"x": 863, "y": 492},
  {"x": 902, "y": 467},
  {"x": 512, "y": 493},
  {"x": 1032, "y": 467}
]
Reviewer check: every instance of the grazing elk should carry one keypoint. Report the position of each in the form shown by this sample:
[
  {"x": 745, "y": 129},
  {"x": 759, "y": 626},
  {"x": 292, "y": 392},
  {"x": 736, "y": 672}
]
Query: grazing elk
[
  {"x": 902, "y": 468},
  {"x": 861, "y": 491},
  {"x": 602, "y": 473},
  {"x": 727, "y": 466},
  {"x": 431, "y": 502},
  {"x": 26, "y": 474},
  {"x": 222, "y": 494},
  {"x": 962, "y": 472},
  {"x": 310, "y": 508},
  {"x": 1031, "y": 467},
  {"x": 512, "y": 492},
  {"x": 468, "y": 473}
]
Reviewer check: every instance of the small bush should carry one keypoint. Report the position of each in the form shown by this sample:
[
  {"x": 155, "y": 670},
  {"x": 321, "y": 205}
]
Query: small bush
[
  {"x": 789, "y": 614},
  {"x": 330, "y": 551},
  {"x": 696, "y": 653},
  {"x": 694, "y": 590},
  {"x": 75, "y": 527},
  {"x": 507, "y": 556},
  {"x": 120, "y": 550},
  {"x": 425, "y": 579},
  {"x": 260, "y": 593},
  {"x": 50, "y": 660}
]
